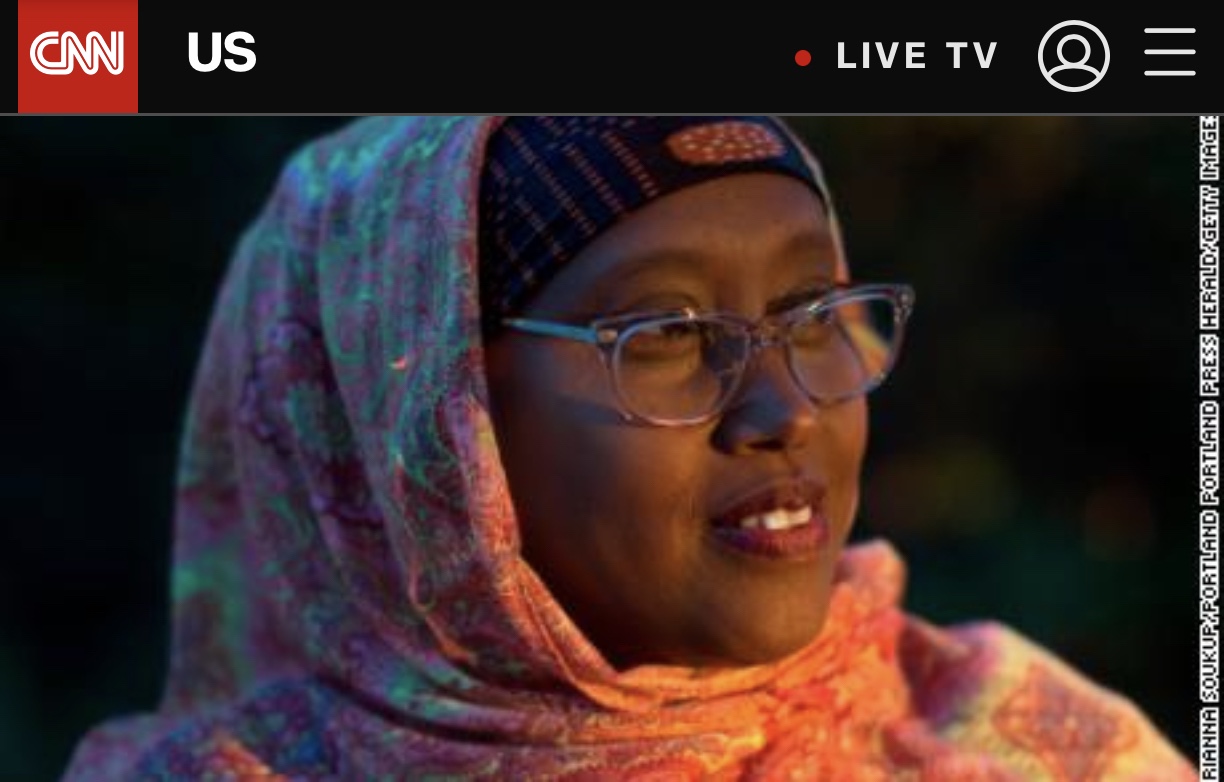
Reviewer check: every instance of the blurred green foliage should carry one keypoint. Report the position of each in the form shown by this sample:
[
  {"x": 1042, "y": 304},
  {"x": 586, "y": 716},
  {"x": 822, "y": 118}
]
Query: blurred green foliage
[{"x": 1031, "y": 457}]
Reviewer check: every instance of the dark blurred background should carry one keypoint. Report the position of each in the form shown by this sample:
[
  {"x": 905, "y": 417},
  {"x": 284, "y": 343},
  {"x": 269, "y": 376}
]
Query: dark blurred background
[{"x": 1033, "y": 456}]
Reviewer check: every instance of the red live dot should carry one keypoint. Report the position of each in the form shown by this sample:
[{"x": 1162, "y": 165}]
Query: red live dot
[{"x": 803, "y": 57}]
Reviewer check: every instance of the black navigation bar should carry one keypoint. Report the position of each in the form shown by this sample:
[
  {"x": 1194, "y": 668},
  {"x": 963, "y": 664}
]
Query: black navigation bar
[{"x": 361, "y": 59}]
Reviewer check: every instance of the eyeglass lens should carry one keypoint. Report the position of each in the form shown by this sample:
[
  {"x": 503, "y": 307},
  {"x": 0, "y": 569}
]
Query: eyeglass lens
[{"x": 677, "y": 368}]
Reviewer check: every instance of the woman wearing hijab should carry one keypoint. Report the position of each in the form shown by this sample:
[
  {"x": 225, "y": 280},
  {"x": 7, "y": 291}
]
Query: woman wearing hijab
[{"x": 528, "y": 448}]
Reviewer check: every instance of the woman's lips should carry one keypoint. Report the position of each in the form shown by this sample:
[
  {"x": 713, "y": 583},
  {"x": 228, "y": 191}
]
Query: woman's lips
[{"x": 781, "y": 521}]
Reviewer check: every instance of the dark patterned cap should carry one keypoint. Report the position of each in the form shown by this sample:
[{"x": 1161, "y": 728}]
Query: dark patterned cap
[{"x": 552, "y": 184}]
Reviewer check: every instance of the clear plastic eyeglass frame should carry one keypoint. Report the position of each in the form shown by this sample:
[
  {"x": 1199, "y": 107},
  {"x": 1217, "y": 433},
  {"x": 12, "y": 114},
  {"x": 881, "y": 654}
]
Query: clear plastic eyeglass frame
[{"x": 610, "y": 334}]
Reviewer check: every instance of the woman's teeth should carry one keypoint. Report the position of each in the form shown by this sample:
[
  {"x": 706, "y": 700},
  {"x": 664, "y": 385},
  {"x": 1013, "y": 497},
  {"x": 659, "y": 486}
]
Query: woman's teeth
[{"x": 779, "y": 519}]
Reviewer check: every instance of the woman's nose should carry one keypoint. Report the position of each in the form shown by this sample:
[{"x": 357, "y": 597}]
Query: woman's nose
[{"x": 770, "y": 411}]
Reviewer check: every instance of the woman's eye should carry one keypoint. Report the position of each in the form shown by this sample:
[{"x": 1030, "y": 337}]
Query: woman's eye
[
  {"x": 665, "y": 340},
  {"x": 814, "y": 331}
]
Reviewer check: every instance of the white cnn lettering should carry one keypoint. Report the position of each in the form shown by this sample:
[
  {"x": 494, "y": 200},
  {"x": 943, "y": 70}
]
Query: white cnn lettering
[{"x": 72, "y": 52}]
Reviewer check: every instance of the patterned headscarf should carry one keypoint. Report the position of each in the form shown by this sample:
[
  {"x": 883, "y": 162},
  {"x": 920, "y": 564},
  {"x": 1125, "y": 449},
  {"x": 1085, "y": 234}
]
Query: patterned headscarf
[
  {"x": 552, "y": 184},
  {"x": 349, "y": 597}
]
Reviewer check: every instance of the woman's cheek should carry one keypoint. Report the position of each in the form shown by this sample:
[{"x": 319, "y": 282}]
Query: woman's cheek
[{"x": 850, "y": 439}]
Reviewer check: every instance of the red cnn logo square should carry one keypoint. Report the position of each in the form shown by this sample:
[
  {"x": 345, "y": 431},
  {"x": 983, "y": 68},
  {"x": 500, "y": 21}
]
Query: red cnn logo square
[{"x": 76, "y": 56}]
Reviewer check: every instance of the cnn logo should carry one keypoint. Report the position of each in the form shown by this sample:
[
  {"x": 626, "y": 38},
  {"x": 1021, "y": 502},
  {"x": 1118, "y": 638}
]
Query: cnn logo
[
  {"x": 89, "y": 55},
  {"x": 78, "y": 57}
]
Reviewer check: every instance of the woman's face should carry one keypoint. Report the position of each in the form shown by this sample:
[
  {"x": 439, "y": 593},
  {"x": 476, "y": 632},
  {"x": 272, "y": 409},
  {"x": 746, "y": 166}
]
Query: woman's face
[{"x": 643, "y": 533}]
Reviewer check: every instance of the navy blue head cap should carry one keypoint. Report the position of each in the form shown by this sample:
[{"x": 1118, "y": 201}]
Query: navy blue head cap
[{"x": 552, "y": 184}]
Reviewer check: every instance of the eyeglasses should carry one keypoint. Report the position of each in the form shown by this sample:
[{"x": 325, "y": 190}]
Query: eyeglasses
[{"x": 681, "y": 368}]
